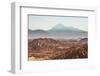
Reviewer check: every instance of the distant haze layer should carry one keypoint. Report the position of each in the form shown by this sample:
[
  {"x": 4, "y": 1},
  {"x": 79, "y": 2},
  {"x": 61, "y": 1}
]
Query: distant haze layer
[{"x": 59, "y": 31}]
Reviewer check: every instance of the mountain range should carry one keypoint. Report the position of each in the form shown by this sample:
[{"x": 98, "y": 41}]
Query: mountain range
[{"x": 58, "y": 31}]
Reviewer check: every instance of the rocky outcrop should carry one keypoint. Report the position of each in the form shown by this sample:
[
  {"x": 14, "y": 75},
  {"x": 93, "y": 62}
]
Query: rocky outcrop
[{"x": 48, "y": 48}]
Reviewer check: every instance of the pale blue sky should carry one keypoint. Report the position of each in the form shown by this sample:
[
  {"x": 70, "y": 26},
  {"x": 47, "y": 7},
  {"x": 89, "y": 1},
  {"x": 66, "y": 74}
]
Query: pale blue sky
[{"x": 47, "y": 22}]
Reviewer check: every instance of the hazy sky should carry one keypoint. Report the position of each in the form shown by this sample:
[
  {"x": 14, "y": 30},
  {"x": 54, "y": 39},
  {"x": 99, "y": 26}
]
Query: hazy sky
[{"x": 47, "y": 22}]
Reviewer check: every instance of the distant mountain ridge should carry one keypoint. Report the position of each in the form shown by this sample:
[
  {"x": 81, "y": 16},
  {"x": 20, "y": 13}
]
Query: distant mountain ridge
[
  {"x": 36, "y": 31},
  {"x": 61, "y": 27},
  {"x": 57, "y": 31}
]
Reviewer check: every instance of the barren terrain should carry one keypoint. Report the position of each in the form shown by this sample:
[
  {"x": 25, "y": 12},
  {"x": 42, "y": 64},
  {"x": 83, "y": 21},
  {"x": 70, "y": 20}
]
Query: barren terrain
[{"x": 51, "y": 49}]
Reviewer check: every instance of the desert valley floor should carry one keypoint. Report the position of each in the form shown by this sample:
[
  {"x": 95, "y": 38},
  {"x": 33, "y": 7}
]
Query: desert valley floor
[{"x": 51, "y": 49}]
